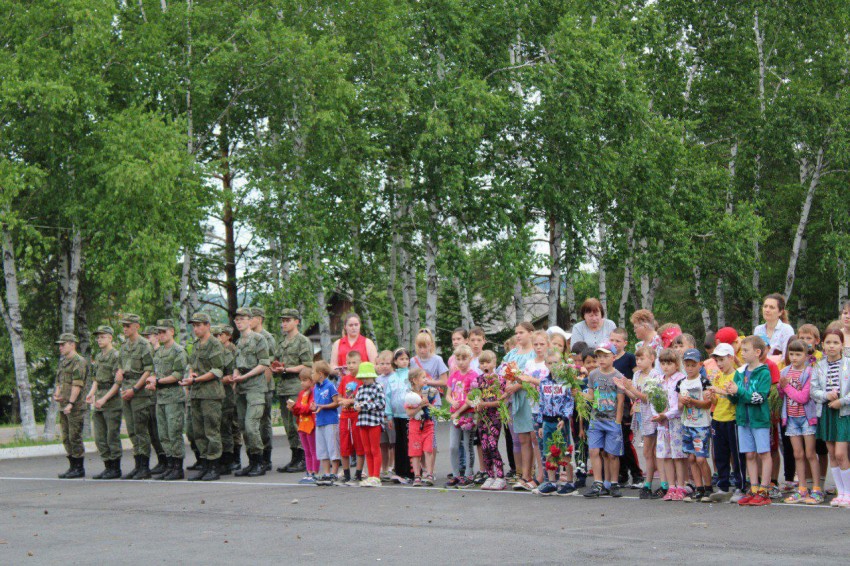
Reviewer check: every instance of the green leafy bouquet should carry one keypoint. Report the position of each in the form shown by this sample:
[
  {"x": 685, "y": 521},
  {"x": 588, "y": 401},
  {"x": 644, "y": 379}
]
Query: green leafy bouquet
[
  {"x": 566, "y": 373},
  {"x": 656, "y": 395}
]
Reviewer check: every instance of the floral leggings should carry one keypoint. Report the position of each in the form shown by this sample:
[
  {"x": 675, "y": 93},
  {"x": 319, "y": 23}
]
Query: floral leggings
[{"x": 489, "y": 429}]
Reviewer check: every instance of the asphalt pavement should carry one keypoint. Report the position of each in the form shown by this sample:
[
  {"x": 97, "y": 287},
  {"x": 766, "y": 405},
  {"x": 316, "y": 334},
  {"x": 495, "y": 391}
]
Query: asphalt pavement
[{"x": 271, "y": 519}]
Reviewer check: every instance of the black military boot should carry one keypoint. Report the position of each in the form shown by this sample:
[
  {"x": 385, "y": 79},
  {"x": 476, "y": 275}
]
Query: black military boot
[
  {"x": 224, "y": 463},
  {"x": 212, "y": 471},
  {"x": 266, "y": 460},
  {"x": 197, "y": 465},
  {"x": 258, "y": 468},
  {"x": 287, "y": 468},
  {"x": 129, "y": 475},
  {"x": 236, "y": 464},
  {"x": 162, "y": 462},
  {"x": 107, "y": 465},
  {"x": 64, "y": 474},
  {"x": 244, "y": 471},
  {"x": 144, "y": 471},
  {"x": 201, "y": 471},
  {"x": 113, "y": 470},
  {"x": 298, "y": 464},
  {"x": 176, "y": 471},
  {"x": 77, "y": 469},
  {"x": 166, "y": 469}
]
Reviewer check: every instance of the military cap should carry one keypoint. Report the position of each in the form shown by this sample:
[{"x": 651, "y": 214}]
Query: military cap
[
  {"x": 200, "y": 317},
  {"x": 258, "y": 311},
  {"x": 215, "y": 329},
  {"x": 67, "y": 337},
  {"x": 244, "y": 312},
  {"x": 148, "y": 331},
  {"x": 130, "y": 319},
  {"x": 290, "y": 313},
  {"x": 164, "y": 324},
  {"x": 224, "y": 329},
  {"x": 104, "y": 330}
]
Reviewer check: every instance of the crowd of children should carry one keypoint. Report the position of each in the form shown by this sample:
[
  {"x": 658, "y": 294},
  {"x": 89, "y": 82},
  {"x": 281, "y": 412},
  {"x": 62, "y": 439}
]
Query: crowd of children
[{"x": 712, "y": 426}]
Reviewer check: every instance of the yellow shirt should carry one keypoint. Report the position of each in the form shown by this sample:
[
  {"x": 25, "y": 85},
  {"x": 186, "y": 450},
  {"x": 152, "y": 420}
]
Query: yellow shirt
[{"x": 724, "y": 409}]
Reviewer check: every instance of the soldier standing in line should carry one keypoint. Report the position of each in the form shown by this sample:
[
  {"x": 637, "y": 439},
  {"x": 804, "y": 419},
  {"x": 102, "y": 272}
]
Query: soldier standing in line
[
  {"x": 252, "y": 359},
  {"x": 294, "y": 352},
  {"x": 103, "y": 396},
  {"x": 169, "y": 362},
  {"x": 68, "y": 393},
  {"x": 135, "y": 360},
  {"x": 258, "y": 316},
  {"x": 151, "y": 334},
  {"x": 228, "y": 406},
  {"x": 206, "y": 365}
]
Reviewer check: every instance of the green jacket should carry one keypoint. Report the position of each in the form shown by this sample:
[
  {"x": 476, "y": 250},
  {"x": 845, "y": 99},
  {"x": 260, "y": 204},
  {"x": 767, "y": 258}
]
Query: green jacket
[
  {"x": 292, "y": 352},
  {"x": 205, "y": 358},
  {"x": 252, "y": 350},
  {"x": 746, "y": 413},
  {"x": 71, "y": 373},
  {"x": 170, "y": 362},
  {"x": 104, "y": 365},
  {"x": 135, "y": 358}
]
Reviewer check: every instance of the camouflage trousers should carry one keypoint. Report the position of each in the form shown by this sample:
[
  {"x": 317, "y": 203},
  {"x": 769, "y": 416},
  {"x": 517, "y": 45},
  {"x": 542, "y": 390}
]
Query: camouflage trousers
[
  {"x": 106, "y": 424},
  {"x": 137, "y": 418},
  {"x": 72, "y": 432},
  {"x": 169, "y": 421},
  {"x": 206, "y": 427},
  {"x": 266, "y": 421},
  {"x": 250, "y": 407}
]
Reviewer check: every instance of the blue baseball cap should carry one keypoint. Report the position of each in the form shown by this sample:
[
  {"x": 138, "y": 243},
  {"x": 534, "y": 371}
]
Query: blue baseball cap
[
  {"x": 693, "y": 355},
  {"x": 607, "y": 347}
]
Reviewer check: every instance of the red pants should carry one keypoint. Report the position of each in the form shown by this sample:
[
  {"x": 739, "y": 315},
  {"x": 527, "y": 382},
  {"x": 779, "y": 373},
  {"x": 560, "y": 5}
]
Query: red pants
[
  {"x": 349, "y": 437},
  {"x": 371, "y": 438}
]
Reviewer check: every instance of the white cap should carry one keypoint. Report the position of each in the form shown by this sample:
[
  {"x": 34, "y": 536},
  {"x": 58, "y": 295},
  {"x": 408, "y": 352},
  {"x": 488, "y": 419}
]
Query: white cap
[
  {"x": 723, "y": 349},
  {"x": 560, "y": 332}
]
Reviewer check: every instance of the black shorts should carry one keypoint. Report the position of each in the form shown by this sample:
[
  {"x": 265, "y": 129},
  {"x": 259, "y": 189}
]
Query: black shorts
[{"x": 821, "y": 450}]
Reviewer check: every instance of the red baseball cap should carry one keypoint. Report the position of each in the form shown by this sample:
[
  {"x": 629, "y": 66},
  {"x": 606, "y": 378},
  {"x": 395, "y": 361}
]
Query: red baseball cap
[{"x": 726, "y": 335}]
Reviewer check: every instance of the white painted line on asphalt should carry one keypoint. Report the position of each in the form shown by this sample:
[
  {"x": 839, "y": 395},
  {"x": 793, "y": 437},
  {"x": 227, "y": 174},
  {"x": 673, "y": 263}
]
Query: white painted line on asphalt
[{"x": 344, "y": 488}]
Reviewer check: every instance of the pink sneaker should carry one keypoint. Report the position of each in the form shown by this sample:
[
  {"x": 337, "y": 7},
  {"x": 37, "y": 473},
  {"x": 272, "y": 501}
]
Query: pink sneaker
[
  {"x": 837, "y": 501},
  {"x": 670, "y": 495},
  {"x": 679, "y": 495},
  {"x": 845, "y": 502}
]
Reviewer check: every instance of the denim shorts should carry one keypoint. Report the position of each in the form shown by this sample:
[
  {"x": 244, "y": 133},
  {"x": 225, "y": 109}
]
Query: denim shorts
[
  {"x": 605, "y": 435},
  {"x": 799, "y": 426},
  {"x": 753, "y": 440},
  {"x": 695, "y": 440}
]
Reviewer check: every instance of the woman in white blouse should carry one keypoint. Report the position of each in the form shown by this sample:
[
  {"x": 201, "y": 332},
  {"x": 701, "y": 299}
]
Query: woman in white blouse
[{"x": 775, "y": 331}]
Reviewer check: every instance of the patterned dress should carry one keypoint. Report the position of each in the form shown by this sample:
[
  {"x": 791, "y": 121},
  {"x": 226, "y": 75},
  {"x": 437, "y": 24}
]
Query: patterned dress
[{"x": 489, "y": 423}]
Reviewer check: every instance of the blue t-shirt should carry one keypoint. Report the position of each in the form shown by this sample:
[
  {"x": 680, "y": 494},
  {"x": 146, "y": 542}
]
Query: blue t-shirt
[{"x": 323, "y": 394}]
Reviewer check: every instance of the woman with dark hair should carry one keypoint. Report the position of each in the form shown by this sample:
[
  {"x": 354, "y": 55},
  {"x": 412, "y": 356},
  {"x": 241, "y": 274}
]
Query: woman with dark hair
[
  {"x": 775, "y": 331},
  {"x": 353, "y": 340},
  {"x": 594, "y": 329}
]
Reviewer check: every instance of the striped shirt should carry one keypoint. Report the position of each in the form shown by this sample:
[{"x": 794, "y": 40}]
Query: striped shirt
[
  {"x": 794, "y": 408},
  {"x": 832, "y": 376}
]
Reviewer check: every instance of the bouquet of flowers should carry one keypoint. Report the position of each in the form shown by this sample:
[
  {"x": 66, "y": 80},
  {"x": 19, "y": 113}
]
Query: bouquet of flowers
[
  {"x": 657, "y": 395},
  {"x": 774, "y": 401},
  {"x": 557, "y": 452},
  {"x": 513, "y": 374},
  {"x": 566, "y": 373},
  {"x": 441, "y": 413},
  {"x": 474, "y": 397},
  {"x": 465, "y": 422}
]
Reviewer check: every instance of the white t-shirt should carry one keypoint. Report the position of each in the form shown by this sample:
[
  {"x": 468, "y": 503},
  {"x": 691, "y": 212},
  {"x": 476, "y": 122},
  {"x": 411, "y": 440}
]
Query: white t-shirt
[
  {"x": 538, "y": 371},
  {"x": 593, "y": 338},
  {"x": 695, "y": 389}
]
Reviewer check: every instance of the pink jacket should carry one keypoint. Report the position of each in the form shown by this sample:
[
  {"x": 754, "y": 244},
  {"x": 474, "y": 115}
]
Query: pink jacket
[{"x": 802, "y": 396}]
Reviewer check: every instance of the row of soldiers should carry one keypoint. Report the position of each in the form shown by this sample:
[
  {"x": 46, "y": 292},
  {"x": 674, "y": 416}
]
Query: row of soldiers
[{"x": 218, "y": 393}]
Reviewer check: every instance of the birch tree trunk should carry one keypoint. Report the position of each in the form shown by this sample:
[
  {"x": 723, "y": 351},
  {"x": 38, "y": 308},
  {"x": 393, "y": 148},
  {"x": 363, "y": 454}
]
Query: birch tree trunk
[
  {"x": 360, "y": 305},
  {"x": 843, "y": 290},
  {"x": 627, "y": 277},
  {"x": 70, "y": 280},
  {"x": 194, "y": 285},
  {"x": 519, "y": 302},
  {"x": 183, "y": 316},
  {"x": 804, "y": 218},
  {"x": 11, "y": 312},
  {"x": 757, "y": 182},
  {"x": 324, "y": 318},
  {"x": 463, "y": 301},
  {"x": 706, "y": 315},
  {"x": 431, "y": 278},
  {"x": 85, "y": 343},
  {"x": 603, "y": 275},
  {"x": 556, "y": 235},
  {"x": 391, "y": 282},
  {"x": 570, "y": 290}
]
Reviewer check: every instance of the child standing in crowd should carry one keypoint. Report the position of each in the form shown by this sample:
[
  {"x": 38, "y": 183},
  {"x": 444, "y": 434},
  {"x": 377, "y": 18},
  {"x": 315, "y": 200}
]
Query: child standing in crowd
[
  {"x": 489, "y": 423},
  {"x": 460, "y": 431},
  {"x": 810, "y": 334},
  {"x": 724, "y": 431},
  {"x": 384, "y": 369},
  {"x": 644, "y": 373},
  {"x": 669, "y": 449},
  {"x": 695, "y": 399},
  {"x": 370, "y": 404},
  {"x": 585, "y": 360},
  {"x": 350, "y": 442},
  {"x": 556, "y": 408},
  {"x": 625, "y": 363},
  {"x": 831, "y": 390},
  {"x": 325, "y": 402},
  {"x": 420, "y": 441},
  {"x": 460, "y": 337},
  {"x": 522, "y": 426},
  {"x": 749, "y": 392},
  {"x": 536, "y": 369},
  {"x": 605, "y": 431},
  {"x": 301, "y": 408},
  {"x": 397, "y": 387},
  {"x": 436, "y": 377},
  {"x": 476, "y": 342},
  {"x": 799, "y": 418}
]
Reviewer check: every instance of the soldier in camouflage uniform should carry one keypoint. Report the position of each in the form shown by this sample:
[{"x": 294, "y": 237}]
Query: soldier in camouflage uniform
[
  {"x": 104, "y": 397},
  {"x": 206, "y": 368},
  {"x": 169, "y": 362},
  {"x": 229, "y": 430},
  {"x": 151, "y": 334},
  {"x": 293, "y": 353},
  {"x": 257, "y": 319},
  {"x": 252, "y": 359},
  {"x": 68, "y": 393},
  {"x": 135, "y": 360}
]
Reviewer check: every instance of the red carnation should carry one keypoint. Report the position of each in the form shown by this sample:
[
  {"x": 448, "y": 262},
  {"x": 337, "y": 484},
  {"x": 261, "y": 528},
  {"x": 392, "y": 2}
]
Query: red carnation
[{"x": 554, "y": 451}]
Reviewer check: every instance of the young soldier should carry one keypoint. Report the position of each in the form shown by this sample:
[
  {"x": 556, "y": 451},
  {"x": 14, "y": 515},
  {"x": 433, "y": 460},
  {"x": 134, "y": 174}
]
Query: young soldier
[
  {"x": 106, "y": 418},
  {"x": 169, "y": 362},
  {"x": 68, "y": 393},
  {"x": 258, "y": 316},
  {"x": 135, "y": 360},
  {"x": 206, "y": 364},
  {"x": 229, "y": 427},
  {"x": 252, "y": 359},
  {"x": 294, "y": 352},
  {"x": 151, "y": 334}
]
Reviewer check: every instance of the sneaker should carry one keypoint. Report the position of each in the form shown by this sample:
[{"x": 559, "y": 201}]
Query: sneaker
[
  {"x": 596, "y": 490},
  {"x": 719, "y": 496},
  {"x": 815, "y": 497},
  {"x": 645, "y": 493},
  {"x": 845, "y": 503},
  {"x": 774, "y": 492},
  {"x": 839, "y": 501},
  {"x": 660, "y": 493},
  {"x": 387, "y": 476},
  {"x": 395, "y": 478},
  {"x": 737, "y": 496},
  {"x": 307, "y": 480},
  {"x": 510, "y": 476},
  {"x": 499, "y": 484},
  {"x": 466, "y": 483},
  {"x": 747, "y": 498},
  {"x": 679, "y": 495},
  {"x": 671, "y": 493},
  {"x": 488, "y": 483},
  {"x": 326, "y": 480},
  {"x": 365, "y": 483},
  {"x": 791, "y": 486},
  {"x": 403, "y": 481},
  {"x": 760, "y": 499},
  {"x": 547, "y": 488},
  {"x": 452, "y": 483},
  {"x": 706, "y": 495},
  {"x": 376, "y": 482},
  {"x": 428, "y": 480},
  {"x": 638, "y": 483},
  {"x": 696, "y": 495},
  {"x": 689, "y": 488},
  {"x": 797, "y": 497},
  {"x": 522, "y": 485},
  {"x": 417, "y": 482},
  {"x": 614, "y": 490},
  {"x": 566, "y": 488},
  {"x": 479, "y": 478},
  {"x": 450, "y": 476}
]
